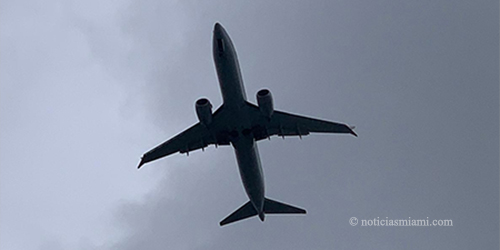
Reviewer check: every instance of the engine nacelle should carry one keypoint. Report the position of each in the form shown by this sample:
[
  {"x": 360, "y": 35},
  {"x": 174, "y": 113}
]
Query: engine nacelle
[
  {"x": 204, "y": 111},
  {"x": 265, "y": 101}
]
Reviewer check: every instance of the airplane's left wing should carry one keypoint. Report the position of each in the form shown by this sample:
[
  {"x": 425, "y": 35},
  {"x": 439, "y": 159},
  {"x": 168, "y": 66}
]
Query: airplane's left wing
[{"x": 196, "y": 137}]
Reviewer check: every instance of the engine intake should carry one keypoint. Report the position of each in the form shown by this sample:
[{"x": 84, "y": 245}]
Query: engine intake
[
  {"x": 204, "y": 111},
  {"x": 265, "y": 101}
]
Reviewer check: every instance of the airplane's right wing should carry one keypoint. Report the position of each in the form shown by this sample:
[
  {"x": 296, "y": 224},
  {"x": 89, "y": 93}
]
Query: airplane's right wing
[{"x": 286, "y": 124}]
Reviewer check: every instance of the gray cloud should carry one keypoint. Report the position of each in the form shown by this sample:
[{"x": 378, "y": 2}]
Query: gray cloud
[{"x": 419, "y": 79}]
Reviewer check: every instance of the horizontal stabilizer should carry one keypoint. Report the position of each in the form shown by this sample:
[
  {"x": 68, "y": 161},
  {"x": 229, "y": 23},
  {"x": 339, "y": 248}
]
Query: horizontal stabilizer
[
  {"x": 275, "y": 207},
  {"x": 245, "y": 211}
]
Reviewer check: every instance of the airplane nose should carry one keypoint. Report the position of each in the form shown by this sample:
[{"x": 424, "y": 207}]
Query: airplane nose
[
  {"x": 219, "y": 31},
  {"x": 217, "y": 27}
]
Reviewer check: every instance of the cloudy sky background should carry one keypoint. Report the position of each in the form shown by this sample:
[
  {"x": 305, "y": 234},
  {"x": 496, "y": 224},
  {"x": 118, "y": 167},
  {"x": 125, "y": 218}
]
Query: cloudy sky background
[{"x": 87, "y": 87}]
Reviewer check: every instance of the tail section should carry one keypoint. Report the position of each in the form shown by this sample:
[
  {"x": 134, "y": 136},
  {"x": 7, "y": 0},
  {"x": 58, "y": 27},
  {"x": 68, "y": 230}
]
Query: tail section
[
  {"x": 245, "y": 211},
  {"x": 270, "y": 207},
  {"x": 275, "y": 207}
]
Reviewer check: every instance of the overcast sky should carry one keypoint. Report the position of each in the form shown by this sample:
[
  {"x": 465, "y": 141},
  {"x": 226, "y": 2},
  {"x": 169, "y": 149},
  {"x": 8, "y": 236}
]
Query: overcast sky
[{"x": 86, "y": 87}]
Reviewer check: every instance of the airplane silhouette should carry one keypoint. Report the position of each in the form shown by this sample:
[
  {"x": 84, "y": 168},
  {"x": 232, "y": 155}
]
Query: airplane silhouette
[{"x": 240, "y": 123}]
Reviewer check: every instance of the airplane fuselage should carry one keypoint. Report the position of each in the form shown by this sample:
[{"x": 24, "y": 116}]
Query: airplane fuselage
[{"x": 234, "y": 98}]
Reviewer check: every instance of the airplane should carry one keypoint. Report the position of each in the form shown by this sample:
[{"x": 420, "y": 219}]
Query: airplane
[{"x": 241, "y": 124}]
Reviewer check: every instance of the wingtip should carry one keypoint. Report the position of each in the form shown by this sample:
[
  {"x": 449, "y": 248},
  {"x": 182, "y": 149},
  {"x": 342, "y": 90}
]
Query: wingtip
[
  {"x": 352, "y": 130},
  {"x": 141, "y": 163}
]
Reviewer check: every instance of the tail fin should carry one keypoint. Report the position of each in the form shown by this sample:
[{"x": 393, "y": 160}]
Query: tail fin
[
  {"x": 275, "y": 207},
  {"x": 245, "y": 211},
  {"x": 270, "y": 207}
]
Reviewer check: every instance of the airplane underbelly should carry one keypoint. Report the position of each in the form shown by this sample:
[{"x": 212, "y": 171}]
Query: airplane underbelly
[
  {"x": 247, "y": 155},
  {"x": 231, "y": 83}
]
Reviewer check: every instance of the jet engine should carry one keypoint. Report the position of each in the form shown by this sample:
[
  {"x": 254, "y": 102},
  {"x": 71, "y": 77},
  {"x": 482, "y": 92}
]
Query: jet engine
[
  {"x": 204, "y": 111},
  {"x": 265, "y": 101}
]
